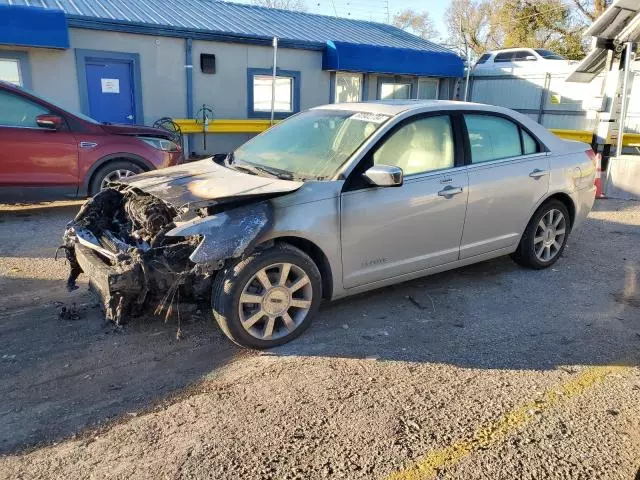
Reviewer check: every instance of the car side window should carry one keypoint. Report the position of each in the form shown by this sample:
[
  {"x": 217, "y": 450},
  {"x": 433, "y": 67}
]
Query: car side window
[
  {"x": 420, "y": 146},
  {"x": 492, "y": 138},
  {"x": 503, "y": 57},
  {"x": 524, "y": 56},
  {"x": 16, "y": 111},
  {"x": 483, "y": 58}
]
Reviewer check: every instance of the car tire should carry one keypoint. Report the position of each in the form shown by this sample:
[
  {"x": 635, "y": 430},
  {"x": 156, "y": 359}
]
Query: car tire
[
  {"x": 540, "y": 248},
  {"x": 125, "y": 167},
  {"x": 263, "y": 325}
]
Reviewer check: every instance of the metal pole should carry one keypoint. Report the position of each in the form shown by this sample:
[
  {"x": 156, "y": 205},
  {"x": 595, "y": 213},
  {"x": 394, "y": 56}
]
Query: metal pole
[
  {"x": 466, "y": 83},
  {"x": 623, "y": 100},
  {"x": 273, "y": 80},
  {"x": 466, "y": 56}
]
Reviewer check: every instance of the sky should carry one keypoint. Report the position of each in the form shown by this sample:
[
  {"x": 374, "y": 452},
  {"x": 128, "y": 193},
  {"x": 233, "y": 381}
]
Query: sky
[{"x": 376, "y": 10}]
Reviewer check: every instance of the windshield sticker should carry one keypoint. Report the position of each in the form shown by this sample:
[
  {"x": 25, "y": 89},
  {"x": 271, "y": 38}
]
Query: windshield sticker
[{"x": 370, "y": 117}]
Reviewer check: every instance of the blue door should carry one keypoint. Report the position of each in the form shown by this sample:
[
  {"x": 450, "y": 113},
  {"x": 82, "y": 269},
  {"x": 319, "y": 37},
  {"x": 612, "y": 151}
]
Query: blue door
[{"x": 110, "y": 91}]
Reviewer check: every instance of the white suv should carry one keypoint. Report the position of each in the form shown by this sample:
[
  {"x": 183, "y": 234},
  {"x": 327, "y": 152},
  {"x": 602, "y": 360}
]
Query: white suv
[{"x": 512, "y": 61}]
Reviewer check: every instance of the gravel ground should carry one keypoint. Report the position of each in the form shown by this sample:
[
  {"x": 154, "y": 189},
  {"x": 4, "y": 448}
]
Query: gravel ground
[{"x": 490, "y": 371}]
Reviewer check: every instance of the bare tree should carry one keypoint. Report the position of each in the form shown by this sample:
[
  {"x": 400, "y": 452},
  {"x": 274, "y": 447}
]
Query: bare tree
[
  {"x": 297, "y": 5},
  {"x": 473, "y": 21},
  {"x": 419, "y": 24},
  {"x": 592, "y": 9}
]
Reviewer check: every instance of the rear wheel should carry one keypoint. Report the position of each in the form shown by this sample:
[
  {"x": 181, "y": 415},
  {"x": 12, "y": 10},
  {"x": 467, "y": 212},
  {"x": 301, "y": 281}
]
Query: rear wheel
[
  {"x": 545, "y": 237},
  {"x": 269, "y": 298},
  {"x": 111, "y": 172}
]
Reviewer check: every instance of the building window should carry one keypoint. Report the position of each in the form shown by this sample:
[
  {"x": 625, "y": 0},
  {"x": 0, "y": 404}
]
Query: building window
[
  {"x": 348, "y": 87},
  {"x": 10, "y": 70},
  {"x": 14, "y": 68},
  {"x": 394, "y": 88},
  {"x": 428, "y": 88},
  {"x": 287, "y": 93},
  {"x": 395, "y": 91}
]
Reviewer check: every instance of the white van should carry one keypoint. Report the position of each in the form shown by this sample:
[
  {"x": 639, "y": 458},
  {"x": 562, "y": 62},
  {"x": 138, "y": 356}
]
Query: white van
[{"x": 512, "y": 61}]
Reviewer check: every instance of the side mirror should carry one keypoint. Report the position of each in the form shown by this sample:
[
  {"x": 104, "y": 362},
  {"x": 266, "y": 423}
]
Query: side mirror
[
  {"x": 51, "y": 122},
  {"x": 384, "y": 176},
  {"x": 530, "y": 58}
]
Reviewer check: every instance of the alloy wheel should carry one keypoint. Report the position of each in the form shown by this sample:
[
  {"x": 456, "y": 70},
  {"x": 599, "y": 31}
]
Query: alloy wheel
[
  {"x": 114, "y": 176},
  {"x": 275, "y": 301},
  {"x": 550, "y": 234}
]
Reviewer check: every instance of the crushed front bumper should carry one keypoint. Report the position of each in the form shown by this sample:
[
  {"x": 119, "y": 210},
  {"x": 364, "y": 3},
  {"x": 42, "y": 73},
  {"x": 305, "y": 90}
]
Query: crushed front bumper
[{"x": 115, "y": 286}]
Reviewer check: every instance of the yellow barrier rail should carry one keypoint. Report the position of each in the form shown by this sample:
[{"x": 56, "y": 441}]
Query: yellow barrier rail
[
  {"x": 188, "y": 125},
  {"x": 629, "y": 139},
  {"x": 578, "y": 135}
]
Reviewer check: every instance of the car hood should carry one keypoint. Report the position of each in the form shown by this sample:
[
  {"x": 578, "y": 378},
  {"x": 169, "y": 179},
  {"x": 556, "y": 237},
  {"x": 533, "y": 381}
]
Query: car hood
[
  {"x": 205, "y": 183},
  {"x": 122, "y": 129}
]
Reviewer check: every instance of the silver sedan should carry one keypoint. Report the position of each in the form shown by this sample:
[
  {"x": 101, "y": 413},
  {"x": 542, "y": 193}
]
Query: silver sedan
[{"x": 346, "y": 198}]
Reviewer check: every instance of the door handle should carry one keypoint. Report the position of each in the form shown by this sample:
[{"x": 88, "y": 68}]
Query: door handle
[
  {"x": 449, "y": 191},
  {"x": 537, "y": 173},
  {"x": 129, "y": 117}
]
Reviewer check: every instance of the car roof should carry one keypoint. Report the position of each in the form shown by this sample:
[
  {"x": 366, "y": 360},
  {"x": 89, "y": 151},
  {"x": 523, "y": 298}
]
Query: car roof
[
  {"x": 504, "y": 50},
  {"x": 410, "y": 107},
  {"x": 395, "y": 107}
]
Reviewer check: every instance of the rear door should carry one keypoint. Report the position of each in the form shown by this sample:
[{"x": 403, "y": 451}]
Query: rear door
[
  {"x": 392, "y": 231},
  {"x": 508, "y": 175},
  {"x": 34, "y": 156}
]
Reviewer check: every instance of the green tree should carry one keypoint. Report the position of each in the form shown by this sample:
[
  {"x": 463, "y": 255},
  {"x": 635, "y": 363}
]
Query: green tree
[
  {"x": 552, "y": 24},
  {"x": 541, "y": 24}
]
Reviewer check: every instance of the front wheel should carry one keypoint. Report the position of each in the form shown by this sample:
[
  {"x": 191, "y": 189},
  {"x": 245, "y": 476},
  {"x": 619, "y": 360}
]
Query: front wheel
[
  {"x": 267, "y": 299},
  {"x": 545, "y": 237},
  {"x": 112, "y": 172}
]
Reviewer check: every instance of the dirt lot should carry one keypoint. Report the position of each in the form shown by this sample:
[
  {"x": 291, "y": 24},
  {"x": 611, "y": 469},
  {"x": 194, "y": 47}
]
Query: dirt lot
[{"x": 490, "y": 372}]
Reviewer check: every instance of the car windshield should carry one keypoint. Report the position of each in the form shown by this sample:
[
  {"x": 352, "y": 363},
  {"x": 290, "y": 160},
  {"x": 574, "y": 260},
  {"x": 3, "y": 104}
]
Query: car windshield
[
  {"x": 549, "y": 55},
  {"x": 312, "y": 144}
]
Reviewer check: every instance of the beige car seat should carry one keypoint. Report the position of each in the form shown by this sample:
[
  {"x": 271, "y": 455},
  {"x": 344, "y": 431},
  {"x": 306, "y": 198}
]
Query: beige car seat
[{"x": 430, "y": 147}]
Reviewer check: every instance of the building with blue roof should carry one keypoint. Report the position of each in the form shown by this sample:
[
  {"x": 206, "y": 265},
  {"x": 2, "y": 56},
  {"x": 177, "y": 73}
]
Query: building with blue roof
[{"x": 134, "y": 61}]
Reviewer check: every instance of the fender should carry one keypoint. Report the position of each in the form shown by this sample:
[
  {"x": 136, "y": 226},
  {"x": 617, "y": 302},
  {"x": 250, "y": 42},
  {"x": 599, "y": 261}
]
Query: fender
[
  {"x": 132, "y": 157},
  {"x": 572, "y": 209},
  {"x": 228, "y": 234}
]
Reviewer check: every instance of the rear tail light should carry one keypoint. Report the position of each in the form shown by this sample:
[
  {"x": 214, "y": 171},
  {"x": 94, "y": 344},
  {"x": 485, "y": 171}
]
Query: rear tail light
[{"x": 593, "y": 156}]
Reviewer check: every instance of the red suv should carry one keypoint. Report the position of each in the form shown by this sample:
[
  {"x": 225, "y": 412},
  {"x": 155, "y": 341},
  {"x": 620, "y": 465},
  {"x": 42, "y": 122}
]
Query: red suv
[{"x": 49, "y": 153}]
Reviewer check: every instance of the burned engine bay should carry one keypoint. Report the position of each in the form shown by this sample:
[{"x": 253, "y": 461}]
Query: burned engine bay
[{"x": 141, "y": 252}]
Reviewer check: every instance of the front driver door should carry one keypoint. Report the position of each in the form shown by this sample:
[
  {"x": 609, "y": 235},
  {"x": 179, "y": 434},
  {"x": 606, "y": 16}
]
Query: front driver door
[
  {"x": 30, "y": 156},
  {"x": 392, "y": 231}
]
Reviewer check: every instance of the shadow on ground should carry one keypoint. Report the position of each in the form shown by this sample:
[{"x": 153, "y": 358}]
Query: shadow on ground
[
  {"x": 585, "y": 310},
  {"x": 60, "y": 375}
]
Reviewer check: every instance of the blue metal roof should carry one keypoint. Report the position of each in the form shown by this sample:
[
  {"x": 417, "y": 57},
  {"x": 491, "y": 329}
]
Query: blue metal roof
[{"x": 232, "y": 19}]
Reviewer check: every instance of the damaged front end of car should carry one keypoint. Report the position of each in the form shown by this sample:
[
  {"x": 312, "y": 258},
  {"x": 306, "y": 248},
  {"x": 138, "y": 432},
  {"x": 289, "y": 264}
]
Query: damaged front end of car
[{"x": 139, "y": 250}]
